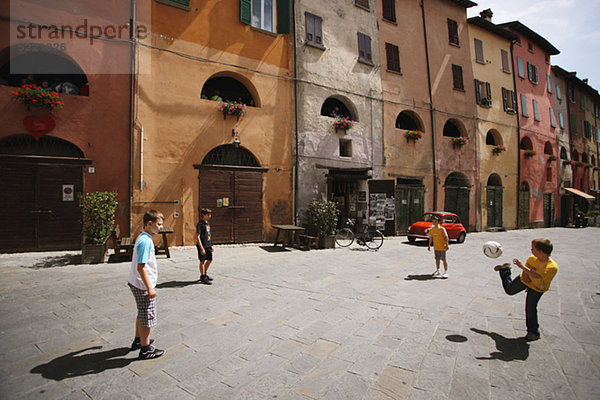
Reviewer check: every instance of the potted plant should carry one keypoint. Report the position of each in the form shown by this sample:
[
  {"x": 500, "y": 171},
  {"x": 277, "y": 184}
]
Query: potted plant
[
  {"x": 342, "y": 123},
  {"x": 529, "y": 153},
  {"x": 232, "y": 108},
  {"x": 321, "y": 220},
  {"x": 551, "y": 157},
  {"x": 98, "y": 220},
  {"x": 486, "y": 102},
  {"x": 459, "y": 141},
  {"x": 498, "y": 149},
  {"x": 35, "y": 96},
  {"x": 566, "y": 162},
  {"x": 413, "y": 135},
  {"x": 510, "y": 110},
  {"x": 579, "y": 163},
  {"x": 588, "y": 166}
]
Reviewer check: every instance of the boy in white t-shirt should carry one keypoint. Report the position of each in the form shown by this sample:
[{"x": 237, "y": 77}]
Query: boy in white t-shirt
[{"x": 143, "y": 276}]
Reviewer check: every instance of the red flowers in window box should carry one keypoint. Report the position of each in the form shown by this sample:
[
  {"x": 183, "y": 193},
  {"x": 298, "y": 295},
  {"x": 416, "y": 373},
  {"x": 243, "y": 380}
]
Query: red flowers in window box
[{"x": 35, "y": 96}]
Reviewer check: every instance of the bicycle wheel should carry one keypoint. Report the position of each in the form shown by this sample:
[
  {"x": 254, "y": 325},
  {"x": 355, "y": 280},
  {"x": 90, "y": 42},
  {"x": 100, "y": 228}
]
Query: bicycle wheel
[
  {"x": 344, "y": 237},
  {"x": 374, "y": 240}
]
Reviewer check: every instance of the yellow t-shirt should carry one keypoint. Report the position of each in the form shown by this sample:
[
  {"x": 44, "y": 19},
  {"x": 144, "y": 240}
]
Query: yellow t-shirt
[
  {"x": 440, "y": 238},
  {"x": 547, "y": 269}
]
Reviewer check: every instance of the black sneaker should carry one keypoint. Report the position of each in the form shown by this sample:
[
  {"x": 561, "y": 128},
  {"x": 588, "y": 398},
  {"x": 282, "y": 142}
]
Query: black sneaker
[
  {"x": 204, "y": 280},
  {"x": 136, "y": 345},
  {"x": 499, "y": 267},
  {"x": 153, "y": 352},
  {"x": 531, "y": 336},
  {"x": 208, "y": 278}
]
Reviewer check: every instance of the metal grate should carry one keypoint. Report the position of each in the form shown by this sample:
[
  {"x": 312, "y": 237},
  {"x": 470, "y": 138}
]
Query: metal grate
[
  {"x": 45, "y": 146},
  {"x": 230, "y": 155}
]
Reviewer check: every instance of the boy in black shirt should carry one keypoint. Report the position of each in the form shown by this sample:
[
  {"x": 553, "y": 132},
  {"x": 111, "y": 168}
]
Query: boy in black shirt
[{"x": 204, "y": 245}]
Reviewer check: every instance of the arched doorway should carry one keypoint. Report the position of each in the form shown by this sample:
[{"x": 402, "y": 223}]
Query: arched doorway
[
  {"x": 230, "y": 184},
  {"x": 457, "y": 189},
  {"x": 40, "y": 180},
  {"x": 524, "y": 205},
  {"x": 494, "y": 192}
]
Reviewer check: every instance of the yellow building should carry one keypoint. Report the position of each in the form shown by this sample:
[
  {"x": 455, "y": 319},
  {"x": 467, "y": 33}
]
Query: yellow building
[{"x": 496, "y": 123}]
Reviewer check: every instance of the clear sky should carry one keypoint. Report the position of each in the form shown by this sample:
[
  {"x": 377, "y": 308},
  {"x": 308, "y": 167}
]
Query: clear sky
[{"x": 572, "y": 26}]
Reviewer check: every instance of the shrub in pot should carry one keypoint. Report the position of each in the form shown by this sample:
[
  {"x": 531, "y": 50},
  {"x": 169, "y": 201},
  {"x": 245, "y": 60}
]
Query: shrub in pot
[
  {"x": 98, "y": 220},
  {"x": 321, "y": 219}
]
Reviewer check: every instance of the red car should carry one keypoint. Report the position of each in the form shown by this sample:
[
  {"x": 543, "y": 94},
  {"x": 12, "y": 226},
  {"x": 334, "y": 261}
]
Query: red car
[{"x": 450, "y": 221}]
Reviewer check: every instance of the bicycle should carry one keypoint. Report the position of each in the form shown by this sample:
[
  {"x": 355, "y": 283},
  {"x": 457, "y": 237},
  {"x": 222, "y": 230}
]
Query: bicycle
[{"x": 372, "y": 238}]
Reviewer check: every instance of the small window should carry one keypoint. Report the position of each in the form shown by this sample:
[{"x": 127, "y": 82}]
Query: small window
[
  {"x": 453, "y": 32},
  {"x": 362, "y": 3},
  {"x": 393, "y": 57},
  {"x": 532, "y": 73},
  {"x": 483, "y": 93},
  {"x": 389, "y": 10},
  {"x": 520, "y": 67},
  {"x": 558, "y": 92},
  {"x": 314, "y": 29},
  {"x": 263, "y": 14},
  {"x": 524, "y": 106},
  {"x": 571, "y": 93},
  {"x": 364, "y": 48},
  {"x": 505, "y": 63},
  {"x": 345, "y": 148},
  {"x": 547, "y": 57},
  {"x": 552, "y": 118},
  {"x": 479, "y": 51},
  {"x": 447, "y": 219},
  {"x": 561, "y": 120},
  {"x": 457, "y": 77},
  {"x": 509, "y": 100},
  {"x": 549, "y": 83},
  {"x": 536, "y": 113},
  {"x": 530, "y": 47}
]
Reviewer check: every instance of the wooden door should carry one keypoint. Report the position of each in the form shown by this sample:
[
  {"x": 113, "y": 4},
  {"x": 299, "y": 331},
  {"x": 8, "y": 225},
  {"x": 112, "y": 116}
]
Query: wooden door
[
  {"x": 494, "y": 206},
  {"x": 456, "y": 200},
  {"x": 248, "y": 212},
  {"x": 548, "y": 210},
  {"x": 409, "y": 206},
  {"x": 524, "y": 208}
]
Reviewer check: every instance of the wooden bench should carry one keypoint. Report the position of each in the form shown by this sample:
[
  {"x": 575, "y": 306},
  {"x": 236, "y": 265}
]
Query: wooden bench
[
  {"x": 308, "y": 241},
  {"x": 122, "y": 246}
]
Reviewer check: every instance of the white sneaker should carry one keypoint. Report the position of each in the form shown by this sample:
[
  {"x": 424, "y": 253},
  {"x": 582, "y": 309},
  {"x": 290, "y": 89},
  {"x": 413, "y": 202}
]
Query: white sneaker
[
  {"x": 436, "y": 273},
  {"x": 445, "y": 276}
]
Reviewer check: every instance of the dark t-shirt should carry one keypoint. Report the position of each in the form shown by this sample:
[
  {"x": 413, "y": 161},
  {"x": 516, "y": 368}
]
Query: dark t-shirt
[{"x": 203, "y": 228}]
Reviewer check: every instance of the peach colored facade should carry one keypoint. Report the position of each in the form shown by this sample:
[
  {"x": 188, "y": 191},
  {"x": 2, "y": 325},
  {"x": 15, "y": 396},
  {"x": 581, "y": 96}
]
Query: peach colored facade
[{"x": 176, "y": 128}]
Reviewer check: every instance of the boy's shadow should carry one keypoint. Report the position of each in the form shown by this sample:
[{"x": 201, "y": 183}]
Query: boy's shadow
[
  {"x": 423, "y": 277},
  {"x": 73, "y": 364},
  {"x": 508, "y": 349},
  {"x": 176, "y": 284}
]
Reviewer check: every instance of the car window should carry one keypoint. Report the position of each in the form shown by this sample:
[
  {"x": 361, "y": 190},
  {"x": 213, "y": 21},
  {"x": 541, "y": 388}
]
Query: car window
[
  {"x": 456, "y": 220},
  {"x": 426, "y": 217},
  {"x": 448, "y": 219}
]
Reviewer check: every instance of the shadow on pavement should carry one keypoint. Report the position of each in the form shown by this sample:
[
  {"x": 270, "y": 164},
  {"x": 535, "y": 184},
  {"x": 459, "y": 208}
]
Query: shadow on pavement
[
  {"x": 508, "y": 349},
  {"x": 58, "y": 261},
  {"x": 423, "y": 277},
  {"x": 73, "y": 364},
  {"x": 456, "y": 338},
  {"x": 274, "y": 249},
  {"x": 177, "y": 284}
]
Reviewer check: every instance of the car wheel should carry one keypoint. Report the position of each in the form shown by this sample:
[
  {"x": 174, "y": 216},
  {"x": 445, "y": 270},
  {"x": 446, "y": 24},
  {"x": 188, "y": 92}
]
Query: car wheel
[
  {"x": 461, "y": 237},
  {"x": 411, "y": 239}
]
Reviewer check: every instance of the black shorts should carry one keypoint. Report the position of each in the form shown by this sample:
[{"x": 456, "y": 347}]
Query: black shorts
[{"x": 207, "y": 256}]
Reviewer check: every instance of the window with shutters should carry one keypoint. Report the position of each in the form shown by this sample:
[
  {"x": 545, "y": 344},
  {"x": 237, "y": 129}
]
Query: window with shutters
[
  {"x": 558, "y": 92},
  {"x": 364, "y": 49},
  {"x": 314, "y": 30},
  {"x": 389, "y": 10},
  {"x": 183, "y": 4},
  {"x": 268, "y": 15},
  {"x": 362, "y": 4},
  {"x": 524, "y": 106},
  {"x": 483, "y": 93},
  {"x": 561, "y": 120},
  {"x": 479, "y": 51},
  {"x": 587, "y": 129},
  {"x": 457, "y": 77},
  {"x": 532, "y": 73},
  {"x": 263, "y": 14},
  {"x": 393, "y": 57},
  {"x": 530, "y": 47},
  {"x": 536, "y": 112},
  {"x": 505, "y": 63},
  {"x": 520, "y": 68},
  {"x": 509, "y": 101},
  {"x": 552, "y": 118},
  {"x": 453, "y": 32},
  {"x": 549, "y": 83}
]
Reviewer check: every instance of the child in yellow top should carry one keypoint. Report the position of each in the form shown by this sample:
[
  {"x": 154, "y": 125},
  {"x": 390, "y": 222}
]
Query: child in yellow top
[
  {"x": 439, "y": 237},
  {"x": 538, "y": 272}
]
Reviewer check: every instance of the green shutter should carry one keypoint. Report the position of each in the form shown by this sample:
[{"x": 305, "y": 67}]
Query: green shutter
[
  {"x": 283, "y": 16},
  {"x": 246, "y": 11}
]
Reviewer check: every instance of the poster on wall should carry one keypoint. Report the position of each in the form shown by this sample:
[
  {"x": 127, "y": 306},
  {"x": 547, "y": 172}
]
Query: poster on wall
[
  {"x": 377, "y": 207},
  {"x": 390, "y": 208}
]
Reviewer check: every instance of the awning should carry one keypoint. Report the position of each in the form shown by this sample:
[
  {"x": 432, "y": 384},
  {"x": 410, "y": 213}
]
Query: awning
[{"x": 580, "y": 193}]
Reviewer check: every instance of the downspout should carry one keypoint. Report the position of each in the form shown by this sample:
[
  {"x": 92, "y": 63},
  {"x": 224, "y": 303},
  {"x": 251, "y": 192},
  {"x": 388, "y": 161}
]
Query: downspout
[
  {"x": 512, "y": 60},
  {"x": 435, "y": 178},
  {"x": 132, "y": 116},
  {"x": 296, "y": 161}
]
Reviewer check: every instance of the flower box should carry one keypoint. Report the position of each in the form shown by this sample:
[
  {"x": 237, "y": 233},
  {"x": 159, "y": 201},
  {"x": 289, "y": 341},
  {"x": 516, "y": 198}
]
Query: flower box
[
  {"x": 459, "y": 141},
  {"x": 579, "y": 163},
  {"x": 35, "y": 96},
  {"x": 551, "y": 157},
  {"x": 413, "y": 135},
  {"x": 529, "y": 153},
  {"x": 342, "y": 123},
  {"x": 566, "y": 162},
  {"x": 232, "y": 108},
  {"x": 498, "y": 149},
  {"x": 588, "y": 166}
]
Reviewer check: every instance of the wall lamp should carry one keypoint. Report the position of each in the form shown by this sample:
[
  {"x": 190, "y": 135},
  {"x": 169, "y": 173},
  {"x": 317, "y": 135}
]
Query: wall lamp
[{"x": 236, "y": 138}]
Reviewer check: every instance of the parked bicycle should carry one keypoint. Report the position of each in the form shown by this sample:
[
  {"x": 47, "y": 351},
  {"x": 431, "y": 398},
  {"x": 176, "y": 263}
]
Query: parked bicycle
[{"x": 372, "y": 238}]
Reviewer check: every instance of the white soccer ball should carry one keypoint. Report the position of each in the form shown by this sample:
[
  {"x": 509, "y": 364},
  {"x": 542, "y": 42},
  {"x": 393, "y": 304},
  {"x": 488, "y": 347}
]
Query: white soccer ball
[{"x": 492, "y": 249}]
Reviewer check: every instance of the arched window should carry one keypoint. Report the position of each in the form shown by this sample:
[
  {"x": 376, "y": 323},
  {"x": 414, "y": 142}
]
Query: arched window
[
  {"x": 227, "y": 88},
  {"x": 524, "y": 187},
  {"x": 563, "y": 153},
  {"x": 408, "y": 120},
  {"x": 230, "y": 154},
  {"x": 575, "y": 155},
  {"x": 584, "y": 157},
  {"x": 457, "y": 179},
  {"x": 548, "y": 148},
  {"x": 338, "y": 107},
  {"x": 452, "y": 129},
  {"x": 526, "y": 143},
  {"x": 494, "y": 180},
  {"x": 52, "y": 71},
  {"x": 493, "y": 138},
  {"x": 48, "y": 146}
]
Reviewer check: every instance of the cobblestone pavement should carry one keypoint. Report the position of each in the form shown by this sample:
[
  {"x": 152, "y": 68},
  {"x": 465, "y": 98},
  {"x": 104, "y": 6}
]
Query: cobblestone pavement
[{"x": 319, "y": 324}]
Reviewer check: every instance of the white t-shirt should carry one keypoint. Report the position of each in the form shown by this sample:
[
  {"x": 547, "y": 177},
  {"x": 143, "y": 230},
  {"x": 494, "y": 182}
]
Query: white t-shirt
[{"x": 143, "y": 253}]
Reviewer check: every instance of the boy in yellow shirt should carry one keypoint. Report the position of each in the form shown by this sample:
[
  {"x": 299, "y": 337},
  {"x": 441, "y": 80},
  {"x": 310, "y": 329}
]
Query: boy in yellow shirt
[
  {"x": 439, "y": 237},
  {"x": 538, "y": 272}
]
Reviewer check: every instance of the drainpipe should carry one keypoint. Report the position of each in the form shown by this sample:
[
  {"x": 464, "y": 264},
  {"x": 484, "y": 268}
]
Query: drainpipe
[
  {"x": 132, "y": 116},
  {"x": 296, "y": 161},
  {"x": 512, "y": 60},
  {"x": 435, "y": 178}
]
